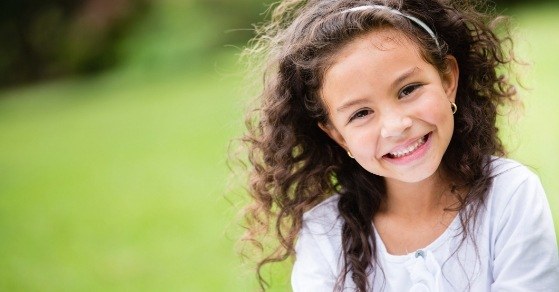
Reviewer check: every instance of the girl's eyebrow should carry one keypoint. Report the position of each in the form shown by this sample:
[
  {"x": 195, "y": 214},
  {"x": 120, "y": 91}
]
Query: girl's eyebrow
[
  {"x": 405, "y": 75},
  {"x": 350, "y": 103}
]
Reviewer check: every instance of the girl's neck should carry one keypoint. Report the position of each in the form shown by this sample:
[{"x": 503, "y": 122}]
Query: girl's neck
[{"x": 419, "y": 199}]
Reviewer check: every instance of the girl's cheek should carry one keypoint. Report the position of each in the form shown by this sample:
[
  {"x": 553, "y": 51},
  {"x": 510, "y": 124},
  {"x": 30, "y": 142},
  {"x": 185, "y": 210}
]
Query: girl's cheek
[
  {"x": 364, "y": 142},
  {"x": 436, "y": 110}
]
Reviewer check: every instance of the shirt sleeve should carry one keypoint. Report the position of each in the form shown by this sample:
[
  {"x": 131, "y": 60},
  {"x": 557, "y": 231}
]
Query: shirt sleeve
[
  {"x": 311, "y": 270},
  {"x": 525, "y": 245}
]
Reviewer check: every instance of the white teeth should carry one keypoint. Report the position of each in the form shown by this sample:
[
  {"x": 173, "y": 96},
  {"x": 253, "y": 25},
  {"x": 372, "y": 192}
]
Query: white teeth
[{"x": 409, "y": 149}]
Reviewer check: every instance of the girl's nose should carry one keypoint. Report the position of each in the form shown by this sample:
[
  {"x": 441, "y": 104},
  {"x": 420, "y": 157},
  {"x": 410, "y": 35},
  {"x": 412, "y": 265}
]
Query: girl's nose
[{"x": 395, "y": 127}]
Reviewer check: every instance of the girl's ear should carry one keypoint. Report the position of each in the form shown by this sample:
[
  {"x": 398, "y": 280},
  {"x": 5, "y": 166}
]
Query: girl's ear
[
  {"x": 450, "y": 77},
  {"x": 333, "y": 133}
]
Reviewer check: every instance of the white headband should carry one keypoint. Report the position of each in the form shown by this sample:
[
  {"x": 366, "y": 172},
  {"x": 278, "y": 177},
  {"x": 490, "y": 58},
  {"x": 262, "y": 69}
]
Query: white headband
[{"x": 414, "y": 19}]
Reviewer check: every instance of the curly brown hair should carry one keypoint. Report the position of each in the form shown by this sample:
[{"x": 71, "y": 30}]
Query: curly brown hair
[{"x": 294, "y": 165}]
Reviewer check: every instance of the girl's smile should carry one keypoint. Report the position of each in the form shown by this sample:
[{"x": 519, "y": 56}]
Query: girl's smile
[
  {"x": 403, "y": 154},
  {"x": 389, "y": 107}
]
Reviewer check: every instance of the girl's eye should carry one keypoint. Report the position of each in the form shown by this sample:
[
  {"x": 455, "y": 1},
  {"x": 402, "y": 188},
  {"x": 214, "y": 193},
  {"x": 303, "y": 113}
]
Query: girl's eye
[
  {"x": 360, "y": 114},
  {"x": 408, "y": 90}
]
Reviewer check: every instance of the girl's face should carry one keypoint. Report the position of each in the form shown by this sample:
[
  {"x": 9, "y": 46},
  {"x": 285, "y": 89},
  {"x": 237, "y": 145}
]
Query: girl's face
[{"x": 389, "y": 107}]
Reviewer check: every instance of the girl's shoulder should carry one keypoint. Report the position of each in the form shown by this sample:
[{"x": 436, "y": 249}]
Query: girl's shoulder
[
  {"x": 510, "y": 174},
  {"x": 324, "y": 216},
  {"x": 514, "y": 185},
  {"x": 502, "y": 167}
]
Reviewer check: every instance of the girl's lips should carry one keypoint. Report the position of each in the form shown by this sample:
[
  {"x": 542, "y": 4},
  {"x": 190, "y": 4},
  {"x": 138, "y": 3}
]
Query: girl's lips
[{"x": 411, "y": 152}]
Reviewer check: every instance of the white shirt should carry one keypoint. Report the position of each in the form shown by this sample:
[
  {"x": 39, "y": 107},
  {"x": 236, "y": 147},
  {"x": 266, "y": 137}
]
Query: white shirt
[{"x": 516, "y": 246}]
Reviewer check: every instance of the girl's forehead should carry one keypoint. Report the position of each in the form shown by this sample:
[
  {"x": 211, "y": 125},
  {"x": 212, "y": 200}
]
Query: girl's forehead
[
  {"x": 385, "y": 45},
  {"x": 381, "y": 39}
]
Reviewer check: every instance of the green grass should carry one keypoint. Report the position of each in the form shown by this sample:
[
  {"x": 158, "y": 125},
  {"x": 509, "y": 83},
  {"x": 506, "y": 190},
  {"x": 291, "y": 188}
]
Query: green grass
[
  {"x": 112, "y": 184},
  {"x": 117, "y": 182}
]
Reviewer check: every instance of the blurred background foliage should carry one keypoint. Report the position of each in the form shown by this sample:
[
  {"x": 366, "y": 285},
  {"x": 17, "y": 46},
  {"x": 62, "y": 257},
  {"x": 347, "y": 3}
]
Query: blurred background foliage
[
  {"x": 42, "y": 39},
  {"x": 115, "y": 122},
  {"x": 46, "y": 39}
]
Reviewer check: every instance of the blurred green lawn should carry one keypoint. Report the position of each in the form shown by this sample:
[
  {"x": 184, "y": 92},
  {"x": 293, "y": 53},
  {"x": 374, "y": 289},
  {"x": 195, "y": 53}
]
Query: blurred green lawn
[{"x": 118, "y": 182}]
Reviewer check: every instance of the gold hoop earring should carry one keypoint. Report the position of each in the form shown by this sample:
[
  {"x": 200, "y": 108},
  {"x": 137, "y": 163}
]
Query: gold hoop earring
[
  {"x": 349, "y": 154},
  {"x": 453, "y": 107}
]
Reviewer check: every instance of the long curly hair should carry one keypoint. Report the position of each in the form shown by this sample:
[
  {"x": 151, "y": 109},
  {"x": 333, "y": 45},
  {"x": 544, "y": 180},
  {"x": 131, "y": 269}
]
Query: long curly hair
[{"x": 294, "y": 165}]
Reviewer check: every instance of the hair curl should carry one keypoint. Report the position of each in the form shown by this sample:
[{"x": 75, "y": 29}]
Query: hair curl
[{"x": 294, "y": 165}]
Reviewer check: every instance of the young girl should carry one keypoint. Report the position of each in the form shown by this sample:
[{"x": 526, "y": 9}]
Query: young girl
[{"x": 374, "y": 153}]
